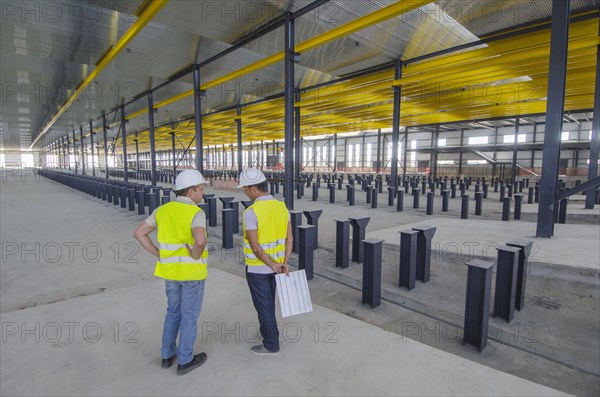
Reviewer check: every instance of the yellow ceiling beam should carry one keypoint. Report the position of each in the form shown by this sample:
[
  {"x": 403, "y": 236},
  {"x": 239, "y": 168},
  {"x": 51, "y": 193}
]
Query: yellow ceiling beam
[{"x": 149, "y": 12}]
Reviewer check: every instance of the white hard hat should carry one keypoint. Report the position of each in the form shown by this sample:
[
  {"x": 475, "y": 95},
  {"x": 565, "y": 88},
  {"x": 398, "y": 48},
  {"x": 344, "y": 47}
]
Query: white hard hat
[
  {"x": 251, "y": 176},
  {"x": 188, "y": 178}
]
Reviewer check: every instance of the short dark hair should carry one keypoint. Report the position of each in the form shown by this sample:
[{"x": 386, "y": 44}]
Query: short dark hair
[
  {"x": 260, "y": 186},
  {"x": 182, "y": 192}
]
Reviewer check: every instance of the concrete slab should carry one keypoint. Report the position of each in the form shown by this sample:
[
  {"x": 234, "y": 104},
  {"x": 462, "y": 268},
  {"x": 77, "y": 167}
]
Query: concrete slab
[
  {"x": 40, "y": 211},
  {"x": 113, "y": 349}
]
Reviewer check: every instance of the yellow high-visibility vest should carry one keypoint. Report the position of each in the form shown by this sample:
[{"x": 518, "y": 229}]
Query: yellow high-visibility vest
[
  {"x": 174, "y": 221},
  {"x": 272, "y": 218}
]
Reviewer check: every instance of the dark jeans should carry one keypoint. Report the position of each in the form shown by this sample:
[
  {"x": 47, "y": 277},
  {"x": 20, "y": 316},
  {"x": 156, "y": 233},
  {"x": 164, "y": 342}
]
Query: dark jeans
[{"x": 262, "y": 289}]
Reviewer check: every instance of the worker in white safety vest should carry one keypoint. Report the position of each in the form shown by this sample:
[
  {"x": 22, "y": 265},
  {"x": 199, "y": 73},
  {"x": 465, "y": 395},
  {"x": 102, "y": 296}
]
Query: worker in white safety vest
[
  {"x": 267, "y": 248},
  {"x": 182, "y": 261}
]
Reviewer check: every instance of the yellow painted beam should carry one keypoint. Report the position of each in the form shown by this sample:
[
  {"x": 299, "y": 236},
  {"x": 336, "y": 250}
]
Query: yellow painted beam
[{"x": 151, "y": 10}]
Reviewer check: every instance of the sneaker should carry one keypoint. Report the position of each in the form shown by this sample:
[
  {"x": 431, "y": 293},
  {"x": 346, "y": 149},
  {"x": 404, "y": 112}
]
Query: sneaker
[
  {"x": 197, "y": 361},
  {"x": 167, "y": 362},
  {"x": 263, "y": 351}
]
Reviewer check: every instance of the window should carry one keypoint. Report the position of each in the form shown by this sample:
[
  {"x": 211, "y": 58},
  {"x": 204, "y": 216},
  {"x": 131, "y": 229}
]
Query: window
[
  {"x": 413, "y": 154},
  {"x": 349, "y": 159},
  {"x": 511, "y": 138},
  {"x": 333, "y": 153},
  {"x": 445, "y": 162},
  {"x": 358, "y": 156},
  {"x": 310, "y": 156},
  {"x": 590, "y": 135},
  {"x": 442, "y": 142},
  {"x": 475, "y": 162},
  {"x": 564, "y": 136},
  {"x": 369, "y": 148},
  {"x": 478, "y": 140}
]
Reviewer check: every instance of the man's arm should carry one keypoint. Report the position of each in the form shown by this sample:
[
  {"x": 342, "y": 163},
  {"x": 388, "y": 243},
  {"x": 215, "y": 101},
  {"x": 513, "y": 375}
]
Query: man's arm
[
  {"x": 252, "y": 237},
  {"x": 199, "y": 242},
  {"x": 141, "y": 234}
]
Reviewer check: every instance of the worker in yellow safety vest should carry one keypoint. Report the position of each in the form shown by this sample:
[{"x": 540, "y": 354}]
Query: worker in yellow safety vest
[
  {"x": 182, "y": 260},
  {"x": 267, "y": 247}
]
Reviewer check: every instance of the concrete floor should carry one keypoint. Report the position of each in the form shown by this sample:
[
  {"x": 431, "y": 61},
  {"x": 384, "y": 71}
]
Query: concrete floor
[{"x": 70, "y": 269}]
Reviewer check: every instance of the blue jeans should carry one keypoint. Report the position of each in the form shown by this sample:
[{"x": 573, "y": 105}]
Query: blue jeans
[
  {"x": 184, "y": 302},
  {"x": 262, "y": 289}
]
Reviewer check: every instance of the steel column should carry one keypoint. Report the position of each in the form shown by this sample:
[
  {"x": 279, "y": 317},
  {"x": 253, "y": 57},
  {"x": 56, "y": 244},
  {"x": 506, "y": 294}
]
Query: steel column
[
  {"x": 477, "y": 303},
  {"x": 124, "y": 139},
  {"x": 92, "y": 148},
  {"x": 371, "y": 285},
  {"x": 514, "y": 159},
  {"x": 75, "y": 153},
  {"x": 506, "y": 282},
  {"x": 342, "y": 243},
  {"x": 554, "y": 116},
  {"x": 198, "y": 118},
  {"x": 305, "y": 257},
  {"x": 590, "y": 195},
  {"x": 238, "y": 124},
  {"x": 408, "y": 259},
  {"x": 288, "y": 188},
  {"x": 396, "y": 125},
  {"x": 82, "y": 150}
]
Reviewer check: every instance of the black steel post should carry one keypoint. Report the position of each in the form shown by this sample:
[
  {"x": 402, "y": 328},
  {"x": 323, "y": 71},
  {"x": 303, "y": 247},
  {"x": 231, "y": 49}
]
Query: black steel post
[
  {"x": 296, "y": 219},
  {"x": 331, "y": 193},
  {"x": 131, "y": 198},
  {"x": 415, "y": 198},
  {"x": 424, "y": 252},
  {"x": 506, "y": 282},
  {"x": 477, "y": 303},
  {"x": 315, "y": 191},
  {"x": 212, "y": 210},
  {"x": 408, "y": 258},
  {"x": 562, "y": 211},
  {"x": 374, "y": 193},
  {"x": 359, "y": 226},
  {"x": 351, "y": 193},
  {"x": 518, "y": 201},
  {"x": 371, "y": 285},
  {"x": 140, "y": 200},
  {"x": 227, "y": 227},
  {"x": 478, "y": 202},
  {"x": 445, "y": 200},
  {"x": 307, "y": 242},
  {"x": 506, "y": 208},
  {"x": 342, "y": 243},
  {"x": 391, "y": 194},
  {"x": 312, "y": 218},
  {"x": 400, "y": 201},
  {"x": 464, "y": 208},
  {"x": 429, "y": 209},
  {"x": 524, "y": 247},
  {"x": 530, "y": 195}
]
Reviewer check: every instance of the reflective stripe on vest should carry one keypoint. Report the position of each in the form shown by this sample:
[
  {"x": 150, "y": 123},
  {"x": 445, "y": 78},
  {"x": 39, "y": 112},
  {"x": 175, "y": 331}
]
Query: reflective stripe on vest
[
  {"x": 174, "y": 221},
  {"x": 272, "y": 218}
]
